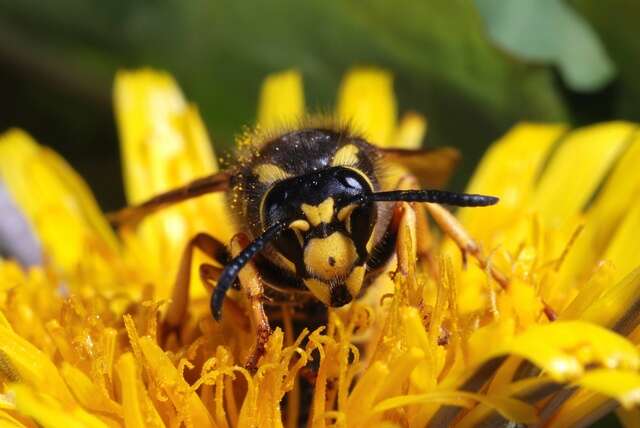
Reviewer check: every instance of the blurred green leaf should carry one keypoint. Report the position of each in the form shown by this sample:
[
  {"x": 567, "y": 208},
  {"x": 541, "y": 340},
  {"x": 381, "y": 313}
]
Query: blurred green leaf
[
  {"x": 549, "y": 31},
  {"x": 220, "y": 50},
  {"x": 616, "y": 22}
]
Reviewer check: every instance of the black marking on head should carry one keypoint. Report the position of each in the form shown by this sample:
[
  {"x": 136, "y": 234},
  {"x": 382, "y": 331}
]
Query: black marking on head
[
  {"x": 285, "y": 201},
  {"x": 340, "y": 295},
  {"x": 331, "y": 260}
]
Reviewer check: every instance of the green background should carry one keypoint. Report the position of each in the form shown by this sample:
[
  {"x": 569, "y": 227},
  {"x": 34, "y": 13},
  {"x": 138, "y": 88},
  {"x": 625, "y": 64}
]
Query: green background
[{"x": 473, "y": 67}]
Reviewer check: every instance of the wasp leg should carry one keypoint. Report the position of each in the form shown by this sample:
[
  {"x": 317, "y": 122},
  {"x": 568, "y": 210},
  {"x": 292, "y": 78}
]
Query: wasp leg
[
  {"x": 209, "y": 275},
  {"x": 251, "y": 284},
  {"x": 218, "y": 182},
  {"x": 404, "y": 224},
  {"x": 180, "y": 297},
  {"x": 424, "y": 238},
  {"x": 449, "y": 225},
  {"x": 452, "y": 227},
  {"x": 403, "y": 249}
]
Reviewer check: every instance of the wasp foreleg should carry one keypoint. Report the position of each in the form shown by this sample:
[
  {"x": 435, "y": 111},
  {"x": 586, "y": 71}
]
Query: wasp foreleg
[
  {"x": 424, "y": 238},
  {"x": 252, "y": 286},
  {"x": 208, "y": 273}
]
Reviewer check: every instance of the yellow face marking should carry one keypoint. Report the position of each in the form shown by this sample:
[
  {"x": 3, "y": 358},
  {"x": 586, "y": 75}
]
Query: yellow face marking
[
  {"x": 355, "y": 280},
  {"x": 331, "y": 257},
  {"x": 346, "y": 211},
  {"x": 370, "y": 243},
  {"x": 319, "y": 289},
  {"x": 300, "y": 225},
  {"x": 346, "y": 156},
  {"x": 316, "y": 214},
  {"x": 268, "y": 173}
]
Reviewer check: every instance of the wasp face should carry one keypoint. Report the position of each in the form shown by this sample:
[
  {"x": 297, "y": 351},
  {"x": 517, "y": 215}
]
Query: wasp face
[{"x": 327, "y": 235}]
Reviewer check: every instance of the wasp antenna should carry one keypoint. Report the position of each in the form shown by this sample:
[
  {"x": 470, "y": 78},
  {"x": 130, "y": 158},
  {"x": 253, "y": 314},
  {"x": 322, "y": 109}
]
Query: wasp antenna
[
  {"x": 230, "y": 272},
  {"x": 435, "y": 196}
]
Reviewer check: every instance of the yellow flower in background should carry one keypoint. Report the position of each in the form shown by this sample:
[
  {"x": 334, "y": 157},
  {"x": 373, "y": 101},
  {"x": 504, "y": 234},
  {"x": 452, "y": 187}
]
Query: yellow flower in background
[
  {"x": 555, "y": 344},
  {"x": 164, "y": 144}
]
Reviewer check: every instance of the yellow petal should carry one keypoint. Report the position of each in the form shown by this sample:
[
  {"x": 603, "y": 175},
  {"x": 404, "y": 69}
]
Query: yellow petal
[
  {"x": 508, "y": 170},
  {"x": 624, "y": 249},
  {"x": 577, "y": 168},
  {"x": 33, "y": 367},
  {"x": 563, "y": 348},
  {"x": 150, "y": 111},
  {"x": 524, "y": 302},
  {"x": 160, "y": 367},
  {"x": 55, "y": 200},
  {"x": 50, "y": 412},
  {"x": 6, "y": 420},
  {"x": 586, "y": 406},
  {"x": 510, "y": 408},
  {"x": 609, "y": 211},
  {"x": 88, "y": 393},
  {"x": 367, "y": 101},
  {"x": 274, "y": 377},
  {"x": 164, "y": 145},
  {"x": 365, "y": 393},
  {"x": 612, "y": 304},
  {"x": 622, "y": 385},
  {"x": 281, "y": 100},
  {"x": 523, "y": 388},
  {"x": 579, "y": 409},
  {"x": 400, "y": 372},
  {"x": 138, "y": 409},
  {"x": 418, "y": 337},
  {"x": 410, "y": 132},
  {"x": 9, "y": 265}
]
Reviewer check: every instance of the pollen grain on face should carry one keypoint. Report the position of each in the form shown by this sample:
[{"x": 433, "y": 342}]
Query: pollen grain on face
[{"x": 455, "y": 331}]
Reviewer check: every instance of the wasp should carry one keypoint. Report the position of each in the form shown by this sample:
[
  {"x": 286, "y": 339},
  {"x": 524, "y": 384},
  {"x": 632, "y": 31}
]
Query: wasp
[{"x": 315, "y": 209}]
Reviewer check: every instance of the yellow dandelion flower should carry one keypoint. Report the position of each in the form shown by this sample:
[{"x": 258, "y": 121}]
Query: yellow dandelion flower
[{"x": 538, "y": 323}]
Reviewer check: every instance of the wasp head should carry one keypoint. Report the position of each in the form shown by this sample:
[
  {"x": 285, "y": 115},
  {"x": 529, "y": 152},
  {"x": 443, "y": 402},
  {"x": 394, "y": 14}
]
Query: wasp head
[{"x": 327, "y": 233}]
